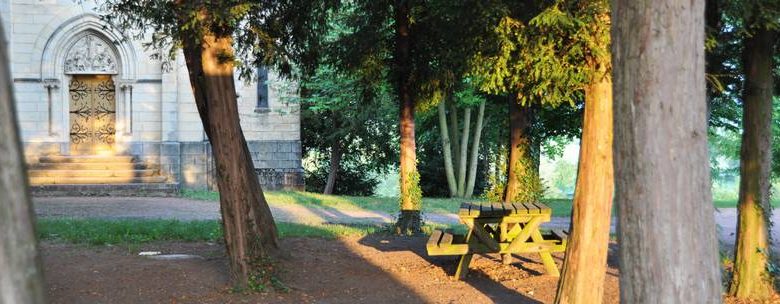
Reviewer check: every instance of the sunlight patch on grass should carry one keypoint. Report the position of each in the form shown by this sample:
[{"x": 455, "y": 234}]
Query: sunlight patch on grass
[{"x": 388, "y": 205}]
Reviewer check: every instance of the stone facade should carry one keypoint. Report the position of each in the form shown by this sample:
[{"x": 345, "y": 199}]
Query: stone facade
[{"x": 52, "y": 41}]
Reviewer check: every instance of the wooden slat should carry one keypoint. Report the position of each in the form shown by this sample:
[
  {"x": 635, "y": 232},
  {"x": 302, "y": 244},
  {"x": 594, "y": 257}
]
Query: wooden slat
[
  {"x": 435, "y": 237},
  {"x": 521, "y": 209},
  {"x": 446, "y": 239},
  {"x": 532, "y": 209},
  {"x": 543, "y": 208}
]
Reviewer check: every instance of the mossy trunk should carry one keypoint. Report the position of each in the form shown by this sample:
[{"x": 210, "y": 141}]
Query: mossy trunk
[
  {"x": 668, "y": 248},
  {"x": 409, "y": 220},
  {"x": 751, "y": 279},
  {"x": 250, "y": 232},
  {"x": 585, "y": 264},
  {"x": 522, "y": 182}
]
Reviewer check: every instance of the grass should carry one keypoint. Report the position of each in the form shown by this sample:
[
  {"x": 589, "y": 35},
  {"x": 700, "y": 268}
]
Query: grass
[
  {"x": 389, "y": 205},
  {"x": 128, "y": 232}
]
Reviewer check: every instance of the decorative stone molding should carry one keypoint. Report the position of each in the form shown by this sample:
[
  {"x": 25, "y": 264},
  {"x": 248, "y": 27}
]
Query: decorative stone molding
[
  {"x": 51, "y": 85},
  {"x": 90, "y": 55}
]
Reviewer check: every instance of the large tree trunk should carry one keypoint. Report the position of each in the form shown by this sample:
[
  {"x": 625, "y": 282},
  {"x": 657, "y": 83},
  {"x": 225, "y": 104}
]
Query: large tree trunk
[
  {"x": 409, "y": 221},
  {"x": 249, "y": 228},
  {"x": 666, "y": 229},
  {"x": 21, "y": 280},
  {"x": 446, "y": 150},
  {"x": 475, "y": 152},
  {"x": 520, "y": 171},
  {"x": 751, "y": 279},
  {"x": 335, "y": 162},
  {"x": 585, "y": 265},
  {"x": 464, "y": 150}
]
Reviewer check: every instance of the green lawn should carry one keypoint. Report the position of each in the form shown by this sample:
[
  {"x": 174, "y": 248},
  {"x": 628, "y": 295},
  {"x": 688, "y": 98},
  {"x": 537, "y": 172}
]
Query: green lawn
[
  {"x": 123, "y": 232},
  {"x": 561, "y": 207}
]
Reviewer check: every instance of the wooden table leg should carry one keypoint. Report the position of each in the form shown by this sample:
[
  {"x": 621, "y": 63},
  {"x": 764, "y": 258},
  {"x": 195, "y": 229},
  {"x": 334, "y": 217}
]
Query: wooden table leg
[
  {"x": 547, "y": 259},
  {"x": 465, "y": 260},
  {"x": 506, "y": 258}
]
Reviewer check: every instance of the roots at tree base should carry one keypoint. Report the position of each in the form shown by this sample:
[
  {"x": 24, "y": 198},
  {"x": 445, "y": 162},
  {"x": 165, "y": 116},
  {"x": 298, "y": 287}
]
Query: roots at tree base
[{"x": 409, "y": 222}]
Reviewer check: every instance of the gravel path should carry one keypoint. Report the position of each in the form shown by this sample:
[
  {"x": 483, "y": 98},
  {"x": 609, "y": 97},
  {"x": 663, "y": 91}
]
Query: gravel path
[{"x": 187, "y": 209}]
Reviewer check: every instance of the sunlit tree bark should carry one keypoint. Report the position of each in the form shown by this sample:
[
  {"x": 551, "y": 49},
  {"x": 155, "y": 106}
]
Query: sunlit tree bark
[{"x": 666, "y": 229}]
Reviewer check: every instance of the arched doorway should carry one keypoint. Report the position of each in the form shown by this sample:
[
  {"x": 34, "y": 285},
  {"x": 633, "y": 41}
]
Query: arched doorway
[{"x": 90, "y": 65}]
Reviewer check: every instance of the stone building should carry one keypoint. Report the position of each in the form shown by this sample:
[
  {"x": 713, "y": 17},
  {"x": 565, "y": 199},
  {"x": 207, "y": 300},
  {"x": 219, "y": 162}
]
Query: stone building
[{"x": 99, "y": 115}]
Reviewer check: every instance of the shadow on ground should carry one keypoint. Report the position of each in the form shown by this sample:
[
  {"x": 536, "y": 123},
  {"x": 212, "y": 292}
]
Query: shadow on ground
[{"x": 477, "y": 278}]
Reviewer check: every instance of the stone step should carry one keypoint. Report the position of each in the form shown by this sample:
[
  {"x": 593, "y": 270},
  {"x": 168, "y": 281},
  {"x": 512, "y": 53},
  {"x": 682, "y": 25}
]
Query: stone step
[
  {"x": 87, "y": 159},
  {"x": 47, "y": 180},
  {"x": 93, "y": 166},
  {"x": 90, "y": 173},
  {"x": 156, "y": 189}
]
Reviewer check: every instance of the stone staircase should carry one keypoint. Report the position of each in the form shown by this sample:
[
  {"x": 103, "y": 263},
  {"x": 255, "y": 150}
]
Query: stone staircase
[{"x": 119, "y": 175}]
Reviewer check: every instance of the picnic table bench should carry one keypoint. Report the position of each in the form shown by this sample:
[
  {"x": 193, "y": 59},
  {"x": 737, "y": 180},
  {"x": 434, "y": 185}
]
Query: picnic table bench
[{"x": 503, "y": 228}]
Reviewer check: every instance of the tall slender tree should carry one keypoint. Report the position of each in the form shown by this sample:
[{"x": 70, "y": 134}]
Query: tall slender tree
[
  {"x": 21, "y": 279},
  {"x": 668, "y": 248},
  {"x": 591, "y": 210},
  {"x": 213, "y": 36},
  {"x": 752, "y": 278}
]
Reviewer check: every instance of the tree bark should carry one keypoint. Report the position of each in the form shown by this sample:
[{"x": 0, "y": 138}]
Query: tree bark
[
  {"x": 335, "y": 162},
  {"x": 250, "y": 232},
  {"x": 464, "y": 150},
  {"x": 446, "y": 150},
  {"x": 666, "y": 229},
  {"x": 585, "y": 264},
  {"x": 409, "y": 221},
  {"x": 751, "y": 279},
  {"x": 475, "y": 152},
  {"x": 21, "y": 279},
  {"x": 455, "y": 133},
  {"x": 520, "y": 161}
]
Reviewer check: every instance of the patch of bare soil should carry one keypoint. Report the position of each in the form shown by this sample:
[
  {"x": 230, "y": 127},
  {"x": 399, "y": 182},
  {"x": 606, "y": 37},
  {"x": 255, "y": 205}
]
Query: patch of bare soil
[{"x": 373, "y": 269}]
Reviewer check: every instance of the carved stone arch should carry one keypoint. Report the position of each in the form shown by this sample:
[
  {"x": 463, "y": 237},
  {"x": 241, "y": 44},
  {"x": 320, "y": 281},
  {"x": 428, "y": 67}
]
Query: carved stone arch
[
  {"x": 97, "y": 39},
  {"x": 86, "y": 44}
]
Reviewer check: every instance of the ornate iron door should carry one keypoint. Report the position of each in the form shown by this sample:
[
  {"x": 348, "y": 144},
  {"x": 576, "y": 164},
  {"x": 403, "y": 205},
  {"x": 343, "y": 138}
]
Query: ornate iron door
[{"x": 92, "y": 114}]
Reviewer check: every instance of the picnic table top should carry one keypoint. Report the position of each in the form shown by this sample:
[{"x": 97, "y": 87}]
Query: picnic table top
[{"x": 488, "y": 209}]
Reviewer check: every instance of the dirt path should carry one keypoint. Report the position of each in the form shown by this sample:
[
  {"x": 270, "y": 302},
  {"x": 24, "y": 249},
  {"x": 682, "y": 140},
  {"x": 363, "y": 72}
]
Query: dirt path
[
  {"x": 373, "y": 269},
  {"x": 187, "y": 209}
]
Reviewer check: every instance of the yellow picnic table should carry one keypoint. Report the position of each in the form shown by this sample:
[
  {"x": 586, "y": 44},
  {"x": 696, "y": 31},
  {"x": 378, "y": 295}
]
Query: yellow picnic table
[{"x": 503, "y": 228}]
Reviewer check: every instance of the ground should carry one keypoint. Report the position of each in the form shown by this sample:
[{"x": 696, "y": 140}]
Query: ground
[
  {"x": 91, "y": 245},
  {"x": 371, "y": 269}
]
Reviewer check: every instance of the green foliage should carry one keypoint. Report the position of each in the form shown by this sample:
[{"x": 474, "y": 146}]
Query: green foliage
[
  {"x": 284, "y": 33},
  {"x": 351, "y": 180},
  {"x": 563, "y": 179},
  {"x": 531, "y": 189},
  {"x": 546, "y": 53},
  {"x": 357, "y": 114},
  {"x": 414, "y": 193}
]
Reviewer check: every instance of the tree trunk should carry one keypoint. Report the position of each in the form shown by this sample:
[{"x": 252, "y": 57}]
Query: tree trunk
[
  {"x": 445, "y": 146},
  {"x": 520, "y": 161},
  {"x": 409, "y": 221},
  {"x": 475, "y": 152},
  {"x": 335, "y": 162},
  {"x": 585, "y": 265},
  {"x": 455, "y": 133},
  {"x": 21, "y": 280},
  {"x": 249, "y": 228},
  {"x": 751, "y": 279},
  {"x": 464, "y": 150},
  {"x": 666, "y": 229}
]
